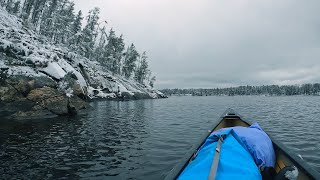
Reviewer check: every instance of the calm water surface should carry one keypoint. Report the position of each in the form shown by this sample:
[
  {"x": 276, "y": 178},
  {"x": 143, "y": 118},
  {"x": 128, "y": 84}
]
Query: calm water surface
[{"x": 144, "y": 139}]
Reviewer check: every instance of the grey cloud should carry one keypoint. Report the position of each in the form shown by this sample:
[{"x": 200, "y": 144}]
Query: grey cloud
[{"x": 213, "y": 43}]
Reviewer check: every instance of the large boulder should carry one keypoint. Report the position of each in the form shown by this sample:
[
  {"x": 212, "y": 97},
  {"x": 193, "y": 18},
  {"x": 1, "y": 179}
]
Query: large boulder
[
  {"x": 43, "y": 81},
  {"x": 8, "y": 93},
  {"x": 40, "y": 94},
  {"x": 57, "y": 102},
  {"x": 50, "y": 99},
  {"x": 76, "y": 105},
  {"x": 24, "y": 84}
]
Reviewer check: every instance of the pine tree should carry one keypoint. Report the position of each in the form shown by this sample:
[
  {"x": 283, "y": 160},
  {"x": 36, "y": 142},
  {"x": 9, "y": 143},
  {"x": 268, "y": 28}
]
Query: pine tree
[
  {"x": 9, "y": 6},
  {"x": 76, "y": 33},
  {"x": 129, "y": 64},
  {"x": 48, "y": 19},
  {"x": 152, "y": 80},
  {"x": 110, "y": 51},
  {"x": 100, "y": 45},
  {"x": 90, "y": 31},
  {"x": 16, "y": 8},
  {"x": 38, "y": 7},
  {"x": 27, "y": 11},
  {"x": 142, "y": 69},
  {"x": 119, "y": 48},
  {"x": 64, "y": 21}
]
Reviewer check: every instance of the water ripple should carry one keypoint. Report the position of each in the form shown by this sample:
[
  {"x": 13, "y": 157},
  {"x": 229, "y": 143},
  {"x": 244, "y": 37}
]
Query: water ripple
[{"x": 145, "y": 139}]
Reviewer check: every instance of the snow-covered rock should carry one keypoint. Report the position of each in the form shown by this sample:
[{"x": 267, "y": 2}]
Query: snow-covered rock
[{"x": 54, "y": 70}]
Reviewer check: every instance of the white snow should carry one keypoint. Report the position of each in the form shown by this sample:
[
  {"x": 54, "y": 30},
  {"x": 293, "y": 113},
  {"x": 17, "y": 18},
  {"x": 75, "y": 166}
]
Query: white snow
[
  {"x": 22, "y": 70},
  {"x": 54, "y": 70},
  {"x": 68, "y": 68},
  {"x": 5, "y": 44},
  {"x": 69, "y": 92},
  {"x": 100, "y": 94},
  {"x": 2, "y": 65},
  {"x": 7, "y": 20}
]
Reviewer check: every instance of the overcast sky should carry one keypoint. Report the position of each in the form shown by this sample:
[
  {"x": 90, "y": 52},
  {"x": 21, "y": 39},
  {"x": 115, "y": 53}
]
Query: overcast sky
[{"x": 219, "y": 43}]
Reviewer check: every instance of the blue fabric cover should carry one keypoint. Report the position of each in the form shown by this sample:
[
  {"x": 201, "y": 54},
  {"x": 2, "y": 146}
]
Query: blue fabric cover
[
  {"x": 257, "y": 142},
  {"x": 235, "y": 161}
]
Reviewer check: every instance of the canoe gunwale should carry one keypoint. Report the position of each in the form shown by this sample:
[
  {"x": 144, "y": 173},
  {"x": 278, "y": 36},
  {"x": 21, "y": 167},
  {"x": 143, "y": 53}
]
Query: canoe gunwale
[{"x": 230, "y": 113}]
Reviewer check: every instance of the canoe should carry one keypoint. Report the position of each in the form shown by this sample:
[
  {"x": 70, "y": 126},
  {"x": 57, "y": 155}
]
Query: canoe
[{"x": 284, "y": 156}]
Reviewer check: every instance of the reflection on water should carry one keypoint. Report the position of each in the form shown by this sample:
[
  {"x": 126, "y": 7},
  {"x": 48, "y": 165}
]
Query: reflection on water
[{"x": 145, "y": 139}]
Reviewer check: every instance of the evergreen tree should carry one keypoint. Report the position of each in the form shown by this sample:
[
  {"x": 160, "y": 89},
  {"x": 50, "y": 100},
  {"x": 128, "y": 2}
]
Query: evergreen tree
[
  {"x": 90, "y": 31},
  {"x": 76, "y": 33},
  {"x": 38, "y": 7},
  {"x": 152, "y": 80},
  {"x": 9, "y": 6},
  {"x": 129, "y": 64},
  {"x": 100, "y": 46},
  {"x": 64, "y": 21},
  {"x": 142, "y": 69},
  {"x": 47, "y": 25},
  {"x": 27, "y": 11},
  {"x": 119, "y": 48},
  {"x": 16, "y": 8},
  {"x": 110, "y": 51}
]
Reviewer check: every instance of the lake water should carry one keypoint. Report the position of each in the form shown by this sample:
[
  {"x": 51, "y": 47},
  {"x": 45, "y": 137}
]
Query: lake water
[{"x": 144, "y": 139}]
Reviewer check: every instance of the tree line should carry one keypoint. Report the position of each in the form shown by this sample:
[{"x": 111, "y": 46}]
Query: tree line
[
  {"x": 57, "y": 20},
  {"x": 268, "y": 90}
]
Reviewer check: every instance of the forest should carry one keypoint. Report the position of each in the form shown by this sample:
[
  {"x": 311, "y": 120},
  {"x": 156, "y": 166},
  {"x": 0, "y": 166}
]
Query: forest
[
  {"x": 88, "y": 35},
  {"x": 267, "y": 90}
]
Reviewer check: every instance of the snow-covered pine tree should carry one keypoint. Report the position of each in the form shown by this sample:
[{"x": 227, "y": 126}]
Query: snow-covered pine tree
[
  {"x": 100, "y": 45},
  {"x": 142, "y": 69},
  {"x": 38, "y": 7},
  {"x": 119, "y": 48},
  {"x": 110, "y": 51},
  {"x": 16, "y": 8},
  {"x": 48, "y": 19},
  {"x": 89, "y": 32},
  {"x": 76, "y": 32},
  {"x": 152, "y": 80},
  {"x": 64, "y": 21},
  {"x": 27, "y": 10},
  {"x": 130, "y": 59},
  {"x": 9, "y": 6}
]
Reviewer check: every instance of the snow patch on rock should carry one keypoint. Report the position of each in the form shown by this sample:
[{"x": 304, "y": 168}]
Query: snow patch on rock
[{"x": 54, "y": 70}]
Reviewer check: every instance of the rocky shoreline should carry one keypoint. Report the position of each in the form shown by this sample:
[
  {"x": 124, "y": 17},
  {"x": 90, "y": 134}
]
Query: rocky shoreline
[
  {"x": 24, "y": 97},
  {"x": 41, "y": 79}
]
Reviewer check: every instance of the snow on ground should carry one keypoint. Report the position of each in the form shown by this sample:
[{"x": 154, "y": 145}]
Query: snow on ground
[
  {"x": 7, "y": 20},
  {"x": 31, "y": 54},
  {"x": 22, "y": 70}
]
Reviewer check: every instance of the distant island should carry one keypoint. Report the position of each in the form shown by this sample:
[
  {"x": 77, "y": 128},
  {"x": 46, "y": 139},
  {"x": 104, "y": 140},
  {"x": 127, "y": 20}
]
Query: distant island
[{"x": 266, "y": 90}]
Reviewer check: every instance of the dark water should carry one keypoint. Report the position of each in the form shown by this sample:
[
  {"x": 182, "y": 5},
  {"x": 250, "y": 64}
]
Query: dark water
[{"x": 145, "y": 139}]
